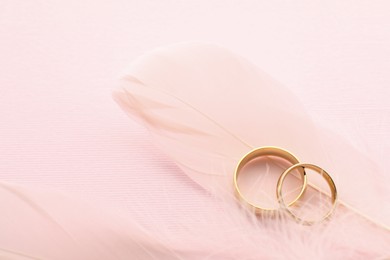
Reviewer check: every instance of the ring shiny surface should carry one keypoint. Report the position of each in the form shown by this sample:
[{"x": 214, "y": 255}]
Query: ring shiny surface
[
  {"x": 261, "y": 152},
  {"x": 324, "y": 174}
]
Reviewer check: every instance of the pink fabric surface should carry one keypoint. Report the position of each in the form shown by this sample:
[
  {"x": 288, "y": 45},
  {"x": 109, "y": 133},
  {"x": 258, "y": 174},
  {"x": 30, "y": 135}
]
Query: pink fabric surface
[{"x": 60, "y": 128}]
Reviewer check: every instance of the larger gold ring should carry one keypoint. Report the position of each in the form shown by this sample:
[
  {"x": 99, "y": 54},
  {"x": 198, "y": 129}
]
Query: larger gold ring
[
  {"x": 324, "y": 174},
  {"x": 266, "y": 151}
]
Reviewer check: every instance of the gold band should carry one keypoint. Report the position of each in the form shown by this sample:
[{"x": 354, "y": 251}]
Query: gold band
[
  {"x": 267, "y": 151},
  {"x": 324, "y": 174}
]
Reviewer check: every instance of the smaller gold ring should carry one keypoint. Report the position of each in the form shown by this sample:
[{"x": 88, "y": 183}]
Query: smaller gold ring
[
  {"x": 266, "y": 151},
  {"x": 324, "y": 174}
]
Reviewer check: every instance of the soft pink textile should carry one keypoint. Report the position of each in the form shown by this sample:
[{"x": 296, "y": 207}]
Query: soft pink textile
[{"x": 59, "y": 61}]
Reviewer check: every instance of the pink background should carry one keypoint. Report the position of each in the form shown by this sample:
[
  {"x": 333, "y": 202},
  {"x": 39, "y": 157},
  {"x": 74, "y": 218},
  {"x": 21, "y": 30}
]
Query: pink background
[{"x": 60, "y": 60}]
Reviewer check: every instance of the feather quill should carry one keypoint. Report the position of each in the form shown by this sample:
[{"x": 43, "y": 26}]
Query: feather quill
[{"x": 207, "y": 107}]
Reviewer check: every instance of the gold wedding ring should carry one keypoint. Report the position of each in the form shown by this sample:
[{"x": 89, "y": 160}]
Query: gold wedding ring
[
  {"x": 260, "y": 152},
  {"x": 324, "y": 174},
  {"x": 296, "y": 165}
]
